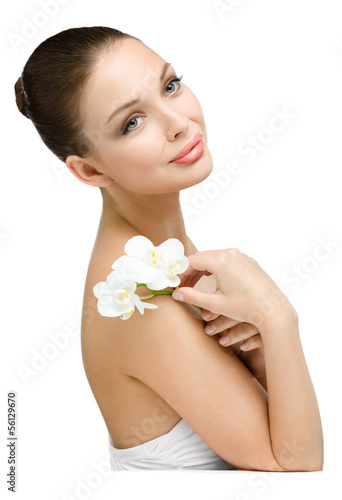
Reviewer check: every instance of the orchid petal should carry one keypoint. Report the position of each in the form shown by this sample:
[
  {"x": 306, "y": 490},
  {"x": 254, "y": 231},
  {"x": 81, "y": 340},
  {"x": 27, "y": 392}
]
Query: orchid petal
[
  {"x": 140, "y": 272},
  {"x": 137, "y": 246},
  {"x": 138, "y": 303},
  {"x": 159, "y": 283},
  {"x": 116, "y": 280},
  {"x": 127, "y": 315},
  {"x": 149, "y": 305},
  {"x": 184, "y": 264},
  {"x": 142, "y": 305},
  {"x": 113, "y": 309},
  {"x": 153, "y": 258},
  {"x": 122, "y": 262},
  {"x": 171, "y": 249},
  {"x": 174, "y": 281},
  {"x": 101, "y": 289}
]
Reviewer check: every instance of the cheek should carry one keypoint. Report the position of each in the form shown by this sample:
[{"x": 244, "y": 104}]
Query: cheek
[
  {"x": 192, "y": 107},
  {"x": 136, "y": 166},
  {"x": 144, "y": 155}
]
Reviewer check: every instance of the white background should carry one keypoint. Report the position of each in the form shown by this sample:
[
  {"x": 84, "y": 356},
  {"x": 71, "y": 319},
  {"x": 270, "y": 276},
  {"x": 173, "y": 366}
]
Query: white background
[{"x": 241, "y": 63}]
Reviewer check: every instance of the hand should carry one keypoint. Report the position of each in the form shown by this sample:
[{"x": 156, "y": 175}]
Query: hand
[
  {"x": 234, "y": 334},
  {"x": 245, "y": 293}
]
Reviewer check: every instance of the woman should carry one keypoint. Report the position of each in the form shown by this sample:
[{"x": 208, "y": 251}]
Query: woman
[{"x": 171, "y": 396}]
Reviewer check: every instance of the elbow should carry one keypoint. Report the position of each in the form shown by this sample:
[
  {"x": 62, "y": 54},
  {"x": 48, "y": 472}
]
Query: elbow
[
  {"x": 307, "y": 466},
  {"x": 312, "y": 463},
  {"x": 297, "y": 458},
  {"x": 313, "y": 466},
  {"x": 318, "y": 467}
]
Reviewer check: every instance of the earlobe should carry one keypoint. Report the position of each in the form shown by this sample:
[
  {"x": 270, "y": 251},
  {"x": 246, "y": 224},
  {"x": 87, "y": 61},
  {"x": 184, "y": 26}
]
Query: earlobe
[{"x": 86, "y": 173}]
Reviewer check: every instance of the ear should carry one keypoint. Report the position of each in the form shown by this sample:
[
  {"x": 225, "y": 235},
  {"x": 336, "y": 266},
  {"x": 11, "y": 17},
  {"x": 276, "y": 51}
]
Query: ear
[{"x": 86, "y": 173}]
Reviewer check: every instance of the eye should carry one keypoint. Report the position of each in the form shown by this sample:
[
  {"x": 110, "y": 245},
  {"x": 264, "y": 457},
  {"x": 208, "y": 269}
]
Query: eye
[
  {"x": 130, "y": 122},
  {"x": 171, "y": 84},
  {"x": 173, "y": 81}
]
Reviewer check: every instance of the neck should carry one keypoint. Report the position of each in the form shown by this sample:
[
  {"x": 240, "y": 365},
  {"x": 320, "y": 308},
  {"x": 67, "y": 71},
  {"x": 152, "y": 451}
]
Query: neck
[{"x": 157, "y": 217}]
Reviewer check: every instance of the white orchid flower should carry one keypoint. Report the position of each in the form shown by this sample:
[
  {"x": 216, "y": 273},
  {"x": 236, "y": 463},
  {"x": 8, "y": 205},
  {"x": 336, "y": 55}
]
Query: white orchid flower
[
  {"x": 117, "y": 298},
  {"x": 157, "y": 267}
]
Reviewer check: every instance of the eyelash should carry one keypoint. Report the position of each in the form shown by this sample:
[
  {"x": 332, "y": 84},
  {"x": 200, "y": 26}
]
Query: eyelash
[{"x": 176, "y": 79}]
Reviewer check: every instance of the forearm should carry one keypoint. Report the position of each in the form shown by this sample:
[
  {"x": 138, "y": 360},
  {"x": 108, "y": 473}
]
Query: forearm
[
  {"x": 294, "y": 419},
  {"x": 254, "y": 361}
]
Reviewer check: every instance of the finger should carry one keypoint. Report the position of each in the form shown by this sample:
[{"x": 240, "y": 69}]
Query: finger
[
  {"x": 254, "y": 342},
  {"x": 215, "y": 302},
  {"x": 208, "y": 315},
  {"x": 220, "y": 324},
  {"x": 242, "y": 331},
  {"x": 192, "y": 277},
  {"x": 200, "y": 264}
]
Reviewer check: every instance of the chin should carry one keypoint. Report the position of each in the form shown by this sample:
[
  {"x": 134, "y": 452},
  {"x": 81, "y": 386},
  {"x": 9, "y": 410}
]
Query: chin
[
  {"x": 186, "y": 176},
  {"x": 202, "y": 172}
]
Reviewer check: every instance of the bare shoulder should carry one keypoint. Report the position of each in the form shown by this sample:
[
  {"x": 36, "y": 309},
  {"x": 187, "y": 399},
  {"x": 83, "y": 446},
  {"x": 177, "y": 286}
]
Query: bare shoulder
[{"x": 107, "y": 249}]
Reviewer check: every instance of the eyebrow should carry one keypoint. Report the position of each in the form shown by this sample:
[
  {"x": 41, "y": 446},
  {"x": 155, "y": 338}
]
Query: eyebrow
[{"x": 135, "y": 101}]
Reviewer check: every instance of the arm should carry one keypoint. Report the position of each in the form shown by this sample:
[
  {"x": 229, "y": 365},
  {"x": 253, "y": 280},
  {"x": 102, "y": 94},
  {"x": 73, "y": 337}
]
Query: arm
[
  {"x": 295, "y": 425},
  {"x": 247, "y": 294},
  {"x": 254, "y": 360},
  {"x": 302, "y": 447},
  {"x": 253, "y": 357}
]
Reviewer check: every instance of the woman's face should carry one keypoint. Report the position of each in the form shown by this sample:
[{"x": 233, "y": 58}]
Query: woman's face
[{"x": 135, "y": 147}]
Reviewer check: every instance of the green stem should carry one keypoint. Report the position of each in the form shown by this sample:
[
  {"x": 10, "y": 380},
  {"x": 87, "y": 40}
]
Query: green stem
[
  {"x": 159, "y": 292},
  {"x": 198, "y": 307}
]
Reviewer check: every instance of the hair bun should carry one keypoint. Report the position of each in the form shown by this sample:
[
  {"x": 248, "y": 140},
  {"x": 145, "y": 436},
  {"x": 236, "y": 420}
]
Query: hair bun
[{"x": 20, "y": 96}]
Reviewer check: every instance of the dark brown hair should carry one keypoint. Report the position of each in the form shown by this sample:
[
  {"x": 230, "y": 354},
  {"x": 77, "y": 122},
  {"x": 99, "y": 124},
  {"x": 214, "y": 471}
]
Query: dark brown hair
[{"x": 49, "y": 90}]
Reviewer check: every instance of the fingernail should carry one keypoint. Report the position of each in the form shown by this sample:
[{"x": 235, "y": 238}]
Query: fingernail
[
  {"x": 244, "y": 345},
  {"x": 209, "y": 329},
  {"x": 207, "y": 316},
  {"x": 224, "y": 341},
  {"x": 177, "y": 296}
]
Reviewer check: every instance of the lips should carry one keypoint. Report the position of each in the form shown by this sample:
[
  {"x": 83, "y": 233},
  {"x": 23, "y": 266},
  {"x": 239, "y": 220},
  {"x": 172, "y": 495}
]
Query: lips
[{"x": 197, "y": 138}]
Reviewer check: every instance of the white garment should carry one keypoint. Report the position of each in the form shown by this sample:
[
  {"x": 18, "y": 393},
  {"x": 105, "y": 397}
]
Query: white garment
[{"x": 181, "y": 448}]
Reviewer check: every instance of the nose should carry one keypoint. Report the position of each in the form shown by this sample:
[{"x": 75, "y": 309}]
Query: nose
[{"x": 174, "y": 120}]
